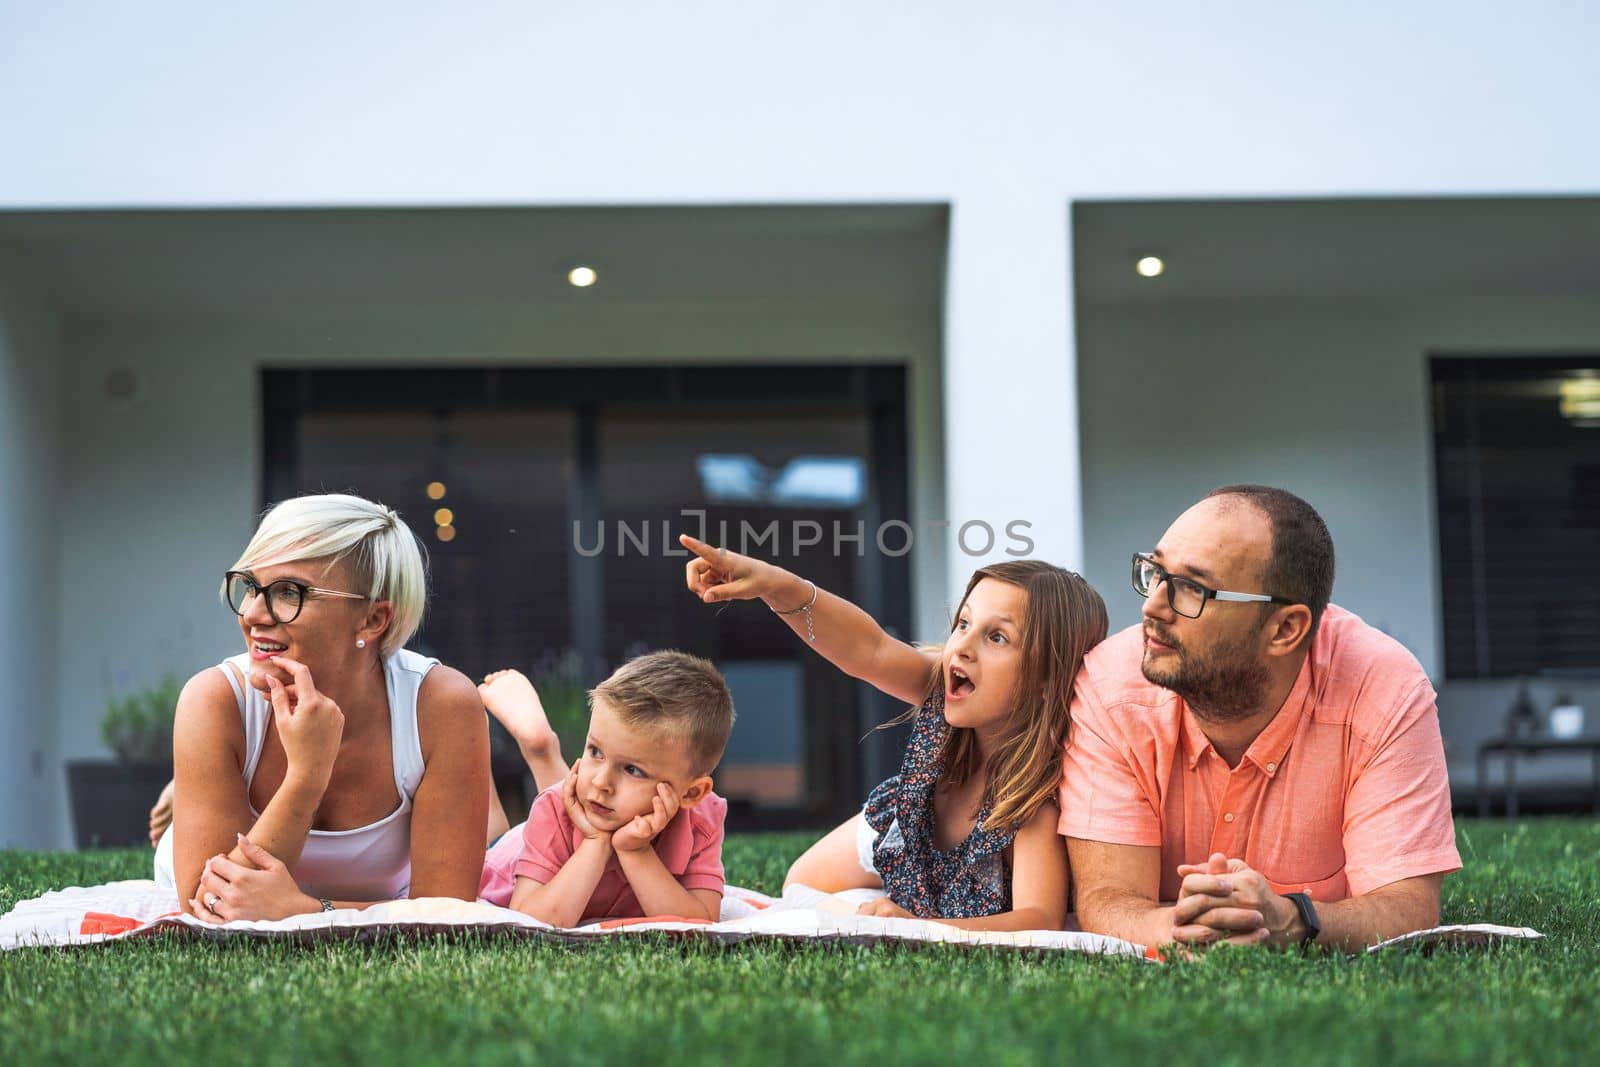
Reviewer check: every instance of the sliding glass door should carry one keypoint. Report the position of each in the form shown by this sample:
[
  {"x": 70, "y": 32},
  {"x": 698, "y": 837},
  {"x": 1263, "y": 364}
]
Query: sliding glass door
[{"x": 550, "y": 501}]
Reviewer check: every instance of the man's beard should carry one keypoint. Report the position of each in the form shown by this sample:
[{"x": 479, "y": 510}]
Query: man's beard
[{"x": 1227, "y": 686}]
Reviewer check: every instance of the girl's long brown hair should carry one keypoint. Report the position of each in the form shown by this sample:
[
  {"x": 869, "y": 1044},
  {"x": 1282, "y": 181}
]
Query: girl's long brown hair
[{"x": 1065, "y": 618}]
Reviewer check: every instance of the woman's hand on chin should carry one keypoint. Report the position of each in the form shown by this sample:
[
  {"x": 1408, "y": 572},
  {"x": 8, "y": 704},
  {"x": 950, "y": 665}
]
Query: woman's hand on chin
[
  {"x": 263, "y": 890},
  {"x": 309, "y": 723}
]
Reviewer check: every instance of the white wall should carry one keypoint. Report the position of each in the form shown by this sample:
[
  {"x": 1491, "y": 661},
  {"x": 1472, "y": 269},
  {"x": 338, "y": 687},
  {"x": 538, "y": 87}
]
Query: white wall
[
  {"x": 160, "y": 494},
  {"x": 30, "y": 441},
  {"x": 730, "y": 101},
  {"x": 1010, "y": 400},
  {"x": 1330, "y": 402}
]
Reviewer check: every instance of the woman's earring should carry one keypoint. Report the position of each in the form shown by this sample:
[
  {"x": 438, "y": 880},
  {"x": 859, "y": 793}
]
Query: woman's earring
[{"x": 361, "y": 642}]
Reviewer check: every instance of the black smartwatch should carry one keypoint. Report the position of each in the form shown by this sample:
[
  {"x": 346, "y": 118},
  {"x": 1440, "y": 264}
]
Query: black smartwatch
[{"x": 1308, "y": 915}]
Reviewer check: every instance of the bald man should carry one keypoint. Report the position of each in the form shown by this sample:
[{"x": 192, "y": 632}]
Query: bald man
[{"x": 1250, "y": 763}]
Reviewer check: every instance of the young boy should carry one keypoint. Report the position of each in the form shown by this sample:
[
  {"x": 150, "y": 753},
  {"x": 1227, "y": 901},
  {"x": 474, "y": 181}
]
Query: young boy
[{"x": 634, "y": 828}]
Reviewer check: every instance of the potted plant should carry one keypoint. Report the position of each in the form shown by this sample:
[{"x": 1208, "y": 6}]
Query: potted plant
[{"x": 111, "y": 798}]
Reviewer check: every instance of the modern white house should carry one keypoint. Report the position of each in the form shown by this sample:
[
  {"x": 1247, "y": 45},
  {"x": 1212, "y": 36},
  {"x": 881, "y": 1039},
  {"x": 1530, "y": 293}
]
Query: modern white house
[{"x": 887, "y": 266}]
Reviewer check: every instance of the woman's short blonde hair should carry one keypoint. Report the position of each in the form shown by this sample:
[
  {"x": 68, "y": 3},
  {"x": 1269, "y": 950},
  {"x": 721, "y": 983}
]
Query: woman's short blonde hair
[{"x": 385, "y": 557}]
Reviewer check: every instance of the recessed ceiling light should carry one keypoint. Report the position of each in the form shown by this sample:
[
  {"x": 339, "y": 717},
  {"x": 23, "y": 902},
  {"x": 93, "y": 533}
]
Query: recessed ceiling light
[
  {"x": 1149, "y": 266},
  {"x": 582, "y": 277}
]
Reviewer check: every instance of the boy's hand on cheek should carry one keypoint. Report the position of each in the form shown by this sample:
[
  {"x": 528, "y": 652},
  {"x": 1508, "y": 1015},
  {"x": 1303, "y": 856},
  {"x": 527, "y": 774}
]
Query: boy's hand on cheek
[
  {"x": 569, "y": 797},
  {"x": 644, "y": 829}
]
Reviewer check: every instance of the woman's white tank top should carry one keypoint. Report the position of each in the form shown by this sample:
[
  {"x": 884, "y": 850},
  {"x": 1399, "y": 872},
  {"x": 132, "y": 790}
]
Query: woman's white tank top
[{"x": 371, "y": 862}]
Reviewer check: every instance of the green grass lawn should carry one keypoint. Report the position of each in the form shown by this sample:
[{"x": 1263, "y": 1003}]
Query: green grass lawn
[{"x": 656, "y": 1002}]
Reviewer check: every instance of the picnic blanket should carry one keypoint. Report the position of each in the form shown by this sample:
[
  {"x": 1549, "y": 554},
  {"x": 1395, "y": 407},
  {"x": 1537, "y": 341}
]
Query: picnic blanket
[{"x": 117, "y": 911}]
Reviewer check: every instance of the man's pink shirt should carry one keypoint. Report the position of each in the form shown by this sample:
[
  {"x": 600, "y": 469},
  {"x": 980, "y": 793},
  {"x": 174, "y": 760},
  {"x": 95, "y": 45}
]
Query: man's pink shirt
[
  {"x": 690, "y": 848},
  {"x": 1344, "y": 791}
]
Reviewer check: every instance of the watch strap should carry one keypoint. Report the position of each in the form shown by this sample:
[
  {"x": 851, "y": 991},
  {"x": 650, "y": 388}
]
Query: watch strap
[{"x": 1308, "y": 917}]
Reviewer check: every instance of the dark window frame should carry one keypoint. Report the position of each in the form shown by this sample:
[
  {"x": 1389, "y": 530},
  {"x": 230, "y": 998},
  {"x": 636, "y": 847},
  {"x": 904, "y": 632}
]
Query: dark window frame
[
  {"x": 878, "y": 390},
  {"x": 1489, "y": 555}
]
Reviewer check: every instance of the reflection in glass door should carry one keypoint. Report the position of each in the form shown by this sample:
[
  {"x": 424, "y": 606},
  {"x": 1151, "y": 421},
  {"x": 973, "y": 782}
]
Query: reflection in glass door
[
  {"x": 480, "y": 488},
  {"x": 789, "y": 487}
]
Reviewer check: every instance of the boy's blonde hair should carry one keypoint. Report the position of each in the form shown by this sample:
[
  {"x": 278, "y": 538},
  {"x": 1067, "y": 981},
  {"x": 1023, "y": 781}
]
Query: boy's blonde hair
[
  {"x": 680, "y": 695},
  {"x": 384, "y": 555}
]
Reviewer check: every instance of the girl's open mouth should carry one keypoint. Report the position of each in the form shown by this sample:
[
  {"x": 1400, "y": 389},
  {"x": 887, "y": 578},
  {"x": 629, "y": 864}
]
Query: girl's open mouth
[{"x": 959, "y": 685}]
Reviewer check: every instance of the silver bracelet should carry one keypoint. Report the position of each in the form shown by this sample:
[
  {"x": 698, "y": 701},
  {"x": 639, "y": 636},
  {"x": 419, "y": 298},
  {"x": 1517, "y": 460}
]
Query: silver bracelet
[{"x": 811, "y": 630}]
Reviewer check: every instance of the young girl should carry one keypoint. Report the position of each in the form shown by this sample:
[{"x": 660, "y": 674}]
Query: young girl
[{"x": 966, "y": 832}]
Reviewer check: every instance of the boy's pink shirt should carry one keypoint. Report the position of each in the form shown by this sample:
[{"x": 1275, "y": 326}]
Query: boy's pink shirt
[{"x": 690, "y": 848}]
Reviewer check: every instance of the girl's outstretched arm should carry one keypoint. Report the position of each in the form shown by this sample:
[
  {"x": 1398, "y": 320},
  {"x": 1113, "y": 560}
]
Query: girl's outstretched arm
[{"x": 841, "y": 633}]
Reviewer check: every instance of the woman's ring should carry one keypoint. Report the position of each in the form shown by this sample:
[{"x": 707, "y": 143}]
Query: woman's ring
[{"x": 212, "y": 900}]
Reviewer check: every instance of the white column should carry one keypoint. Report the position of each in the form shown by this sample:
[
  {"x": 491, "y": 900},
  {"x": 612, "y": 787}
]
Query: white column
[
  {"x": 31, "y": 814},
  {"x": 1010, "y": 383}
]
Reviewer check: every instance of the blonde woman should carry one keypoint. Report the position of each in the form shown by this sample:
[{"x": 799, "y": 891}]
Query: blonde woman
[{"x": 326, "y": 766}]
